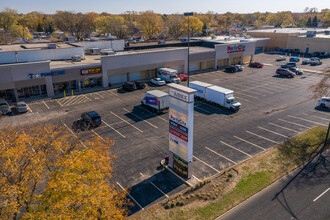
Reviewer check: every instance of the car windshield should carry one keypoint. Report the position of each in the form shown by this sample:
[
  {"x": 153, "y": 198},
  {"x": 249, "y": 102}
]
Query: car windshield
[
  {"x": 174, "y": 76},
  {"x": 21, "y": 105},
  {"x": 3, "y": 105},
  {"x": 233, "y": 101}
]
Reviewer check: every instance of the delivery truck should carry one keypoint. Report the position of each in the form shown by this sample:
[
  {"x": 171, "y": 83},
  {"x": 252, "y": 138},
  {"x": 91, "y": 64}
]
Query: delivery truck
[
  {"x": 223, "y": 97},
  {"x": 168, "y": 75},
  {"x": 155, "y": 99},
  {"x": 200, "y": 88}
]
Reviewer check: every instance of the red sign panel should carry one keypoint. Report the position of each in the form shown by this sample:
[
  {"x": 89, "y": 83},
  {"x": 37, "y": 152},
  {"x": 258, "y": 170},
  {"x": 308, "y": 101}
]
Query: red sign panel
[
  {"x": 236, "y": 48},
  {"x": 91, "y": 71}
]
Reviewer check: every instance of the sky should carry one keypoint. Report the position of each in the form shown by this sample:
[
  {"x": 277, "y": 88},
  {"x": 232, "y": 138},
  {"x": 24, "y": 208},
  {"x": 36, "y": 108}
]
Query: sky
[{"x": 162, "y": 6}]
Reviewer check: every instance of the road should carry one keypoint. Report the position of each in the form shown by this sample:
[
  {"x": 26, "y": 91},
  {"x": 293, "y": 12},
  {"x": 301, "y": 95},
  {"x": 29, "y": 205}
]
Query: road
[{"x": 306, "y": 197}]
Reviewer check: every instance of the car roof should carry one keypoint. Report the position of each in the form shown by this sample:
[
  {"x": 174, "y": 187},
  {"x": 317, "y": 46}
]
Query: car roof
[
  {"x": 92, "y": 114},
  {"x": 20, "y": 103}
]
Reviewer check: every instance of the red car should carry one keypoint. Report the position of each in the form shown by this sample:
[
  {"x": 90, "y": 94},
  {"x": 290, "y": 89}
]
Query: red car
[
  {"x": 285, "y": 72},
  {"x": 256, "y": 64},
  {"x": 183, "y": 77}
]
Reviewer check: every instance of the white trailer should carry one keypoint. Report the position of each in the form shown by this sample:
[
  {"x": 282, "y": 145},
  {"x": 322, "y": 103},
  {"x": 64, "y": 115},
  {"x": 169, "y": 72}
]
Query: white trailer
[
  {"x": 168, "y": 75},
  {"x": 156, "y": 99},
  {"x": 200, "y": 88},
  {"x": 223, "y": 97}
]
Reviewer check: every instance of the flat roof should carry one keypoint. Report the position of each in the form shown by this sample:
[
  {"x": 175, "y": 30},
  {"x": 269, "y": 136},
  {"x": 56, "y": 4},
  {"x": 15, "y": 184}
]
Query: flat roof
[
  {"x": 289, "y": 30},
  {"x": 317, "y": 36},
  {"x": 38, "y": 46},
  {"x": 89, "y": 59}
]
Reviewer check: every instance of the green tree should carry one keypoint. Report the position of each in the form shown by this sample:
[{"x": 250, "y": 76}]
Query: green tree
[
  {"x": 150, "y": 23},
  {"x": 326, "y": 19},
  {"x": 195, "y": 25},
  {"x": 113, "y": 24},
  {"x": 175, "y": 25}
]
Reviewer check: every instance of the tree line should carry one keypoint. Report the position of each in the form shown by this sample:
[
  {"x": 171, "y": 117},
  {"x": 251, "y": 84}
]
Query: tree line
[{"x": 149, "y": 24}]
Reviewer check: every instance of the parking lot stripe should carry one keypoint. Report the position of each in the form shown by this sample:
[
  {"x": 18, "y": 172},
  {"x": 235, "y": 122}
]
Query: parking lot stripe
[
  {"x": 126, "y": 122},
  {"x": 153, "y": 114},
  {"x": 283, "y": 127},
  {"x": 141, "y": 174},
  {"x": 112, "y": 92},
  {"x": 322, "y": 113},
  {"x": 247, "y": 95},
  {"x": 235, "y": 148},
  {"x": 58, "y": 102},
  {"x": 291, "y": 116},
  {"x": 221, "y": 155},
  {"x": 196, "y": 178},
  {"x": 202, "y": 109},
  {"x": 206, "y": 164},
  {"x": 74, "y": 135},
  {"x": 130, "y": 196},
  {"x": 262, "y": 137},
  {"x": 141, "y": 118},
  {"x": 273, "y": 132},
  {"x": 98, "y": 135},
  {"x": 114, "y": 129},
  {"x": 249, "y": 142},
  {"x": 29, "y": 108},
  {"x": 294, "y": 123},
  {"x": 316, "y": 117},
  {"x": 239, "y": 97},
  {"x": 99, "y": 95},
  {"x": 45, "y": 104},
  {"x": 87, "y": 98},
  {"x": 159, "y": 189},
  {"x": 75, "y": 100}
]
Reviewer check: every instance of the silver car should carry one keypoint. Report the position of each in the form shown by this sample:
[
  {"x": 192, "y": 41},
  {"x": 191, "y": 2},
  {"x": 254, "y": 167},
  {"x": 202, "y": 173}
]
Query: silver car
[
  {"x": 21, "y": 107},
  {"x": 4, "y": 107}
]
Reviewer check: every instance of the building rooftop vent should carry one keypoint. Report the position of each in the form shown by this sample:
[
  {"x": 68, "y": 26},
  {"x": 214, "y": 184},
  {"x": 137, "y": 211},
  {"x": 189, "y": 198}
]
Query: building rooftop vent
[{"x": 51, "y": 46}]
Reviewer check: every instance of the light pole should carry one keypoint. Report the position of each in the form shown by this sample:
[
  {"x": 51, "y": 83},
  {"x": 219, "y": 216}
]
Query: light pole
[{"x": 188, "y": 14}]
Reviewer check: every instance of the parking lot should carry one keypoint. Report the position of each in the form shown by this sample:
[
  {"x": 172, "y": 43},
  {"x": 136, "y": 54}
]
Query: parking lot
[{"x": 273, "y": 110}]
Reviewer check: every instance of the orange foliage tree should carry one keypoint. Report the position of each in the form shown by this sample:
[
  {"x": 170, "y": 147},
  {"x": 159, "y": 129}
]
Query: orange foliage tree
[{"x": 47, "y": 173}]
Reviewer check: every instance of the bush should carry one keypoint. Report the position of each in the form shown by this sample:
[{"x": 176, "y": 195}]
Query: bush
[
  {"x": 178, "y": 203},
  {"x": 230, "y": 175},
  {"x": 182, "y": 203},
  {"x": 167, "y": 206},
  {"x": 172, "y": 205}
]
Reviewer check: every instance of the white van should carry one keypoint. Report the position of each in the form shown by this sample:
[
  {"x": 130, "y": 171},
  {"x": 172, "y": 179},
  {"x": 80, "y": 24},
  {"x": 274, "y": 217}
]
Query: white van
[{"x": 168, "y": 75}]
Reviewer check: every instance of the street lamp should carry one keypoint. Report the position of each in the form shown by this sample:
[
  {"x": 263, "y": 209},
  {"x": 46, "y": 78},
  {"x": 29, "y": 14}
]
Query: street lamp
[{"x": 188, "y": 14}]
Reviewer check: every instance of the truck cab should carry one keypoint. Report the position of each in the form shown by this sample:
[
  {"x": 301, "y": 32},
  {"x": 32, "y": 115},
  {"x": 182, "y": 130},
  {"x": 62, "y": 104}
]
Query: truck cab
[
  {"x": 233, "y": 104},
  {"x": 168, "y": 75}
]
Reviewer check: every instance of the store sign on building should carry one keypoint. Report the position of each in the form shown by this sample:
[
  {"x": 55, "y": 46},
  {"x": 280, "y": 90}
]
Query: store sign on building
[
  {"x": 91, "y": 71},
  {"x": 236, "y": 48},
  {"x": 181, "y": 113},
  {"x": 39, "y": 75}
]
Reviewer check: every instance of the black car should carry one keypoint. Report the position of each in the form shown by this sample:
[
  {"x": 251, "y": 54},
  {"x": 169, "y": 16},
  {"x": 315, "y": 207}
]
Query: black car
[
  {"x": 140, "y": 85},
  {"x": 296, "y": 70},
  {"x": 316, "y": 62},
  {"x": 288, "y": 65},
  {"x": 234, "y": 68},
  {"x": 130, "y": 86},
  {"x": 88, "y": 120}
]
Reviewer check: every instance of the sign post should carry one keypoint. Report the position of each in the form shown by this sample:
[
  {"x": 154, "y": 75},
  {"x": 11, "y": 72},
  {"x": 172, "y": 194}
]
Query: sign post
[{"x": 181, "y": 127}]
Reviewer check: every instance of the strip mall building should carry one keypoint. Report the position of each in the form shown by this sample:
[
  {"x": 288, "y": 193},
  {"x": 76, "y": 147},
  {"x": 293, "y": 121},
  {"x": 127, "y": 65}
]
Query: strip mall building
[{"x": 40, "y": 70}]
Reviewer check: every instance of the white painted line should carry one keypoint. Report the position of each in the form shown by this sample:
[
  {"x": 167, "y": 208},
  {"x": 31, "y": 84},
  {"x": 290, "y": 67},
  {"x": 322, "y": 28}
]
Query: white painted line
[
  {"x": 141, "y": 174},
  {"x": 317, "y": 117},
  {"x": 235, "y": 148},
  {"x": 153, "y": 113},
  {"x": 307, "y": 120},
  {"x": 74, "y": 135},
  {"x": 126, "y": 122},
  {"x": 29, "y": 108},
  {"x": 322, "y": 113},
  {"x": 207, "y": 164},
  {"x": 249, "y": 143},
  {"x": 265, "y": 129},
  {"x": 46, "y": 104},
  {"x": 141, "y": 118},
  {"x": 130, "y": 196},
  {"x": 283, "y": 127},
  {"x": 159, "y": 189},
  {"x": 262, "y": 137},
  {"x": 99, "y": 95},
  {"x": 113, "y": 129},
  {"x": 239, "y": 97},
  {"x": 221, "y": 155},
  {"x": 87, "y": 98},
  {"x": 112, "y": 92},
  {"x": 321, "y": 194},
  {"x": 294, "y": 123},
  {"x": 79, "y": 99},
  {"x": 247, "y": 95},
  {"x": 196, "y": 114},
  {"x": 196, "y": 178},
  {"x": 98, "y": 135},
  {"x": 202, "y": 109}
]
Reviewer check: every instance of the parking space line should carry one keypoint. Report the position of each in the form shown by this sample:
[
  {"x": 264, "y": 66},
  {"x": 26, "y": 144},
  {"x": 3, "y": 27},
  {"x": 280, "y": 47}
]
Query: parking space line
[
  {"x": 130, "y": 196},
  {"x": 316, "y": 116},
  {"x": 256, "y": 93},
  {"x": 321, "y": 194},
  {"x": 74, "y": 135},
  {"x": 75, "y": 100},
  {"x": 291, "y": 116},
  {"x": 322, "y": 113},
  {"x": 206, "y": 164},
  {"x": 196, "y": 178},
  {"x": 58, "y": 102},
  {"x": 283, "y": 127},
  {"x": 202, "y": 109},
  {"x": 126, "y": 122},
  {"x": 294, "y": 123},
  {"x": 29, "y": 108},
  {"x": 262, "y": 137},
  {"x": 246, "y": 100},
  {"x": 249, "y": 142},
  {"x": 112, "y": 92},
  {"x": 114, "y": 129},
  {"x": 98, "y": 135},
  {"x": 221, "y": 155},
  {"x": 153, "y": 114},
  {"x": 235, "y": 148},
  {"x": 159, "y": 189},
  {"x": 87, "y": 98},
  {"x": 247, "y": 95},
  {"x": 141, "y": 118},
  {"x": 45, "y": 104},
  {"x": 265, "y": 129},
  {"x": 99, "y": 95}
]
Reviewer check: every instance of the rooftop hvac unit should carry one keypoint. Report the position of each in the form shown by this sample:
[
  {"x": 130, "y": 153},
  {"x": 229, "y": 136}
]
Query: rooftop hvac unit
[
  {"x": 52, "y": 46},
  {"x": 76, "y": 58},
  {"x": 107, "y": 52},
  {"x": 93, "y": 51}
]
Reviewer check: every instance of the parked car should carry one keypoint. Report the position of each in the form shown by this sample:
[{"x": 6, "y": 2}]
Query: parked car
[
  {"x": 280, "y": 58},
  {"x": 130, "y": 86},
  {"x": 183, "y": 77},
  {"x": 140, "y": 85},
  {"x": 324, "y": 102},
  {"x": 158, "y": 81},
  {"x": 315, "y": 54},
  {"x": 324, "y": 54},
  {"x": 4, "y": 107},
  {"x": 88, "y": 120},
  {"x": 314, "y": 58},
  {"x": 256, "y": 64},
  {"x": 296, "y": 70},
  {"x": 234, "y": 68},
  {"x": 305, "y": 62},
  {"x": 285, "y": 72},
  {"x": 288, "y": 64},
  {"x": 316, "y": 62},
  {"x": 294, "y": 59},
  {"x": 21, "y": 107}
]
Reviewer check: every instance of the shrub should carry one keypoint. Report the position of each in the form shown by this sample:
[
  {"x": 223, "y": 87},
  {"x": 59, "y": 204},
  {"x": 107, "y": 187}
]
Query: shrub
[
  {"x": 182, "y": 203},
  {"x": 178, "y": 203},
  {"x": 172, "y": 205},
  {"x": 230, "y": 175},
  {"x": 167, "y": 206}
]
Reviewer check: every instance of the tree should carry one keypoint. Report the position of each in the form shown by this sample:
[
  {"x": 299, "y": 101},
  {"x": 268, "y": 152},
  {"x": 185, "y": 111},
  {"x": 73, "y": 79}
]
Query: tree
[
  {"x": 150, "y": 23},
  {"x": 326, "y": 19},
  {"x": 309, "y": 22},
  {"x": 195, "y": 25},
  {"x": 175, "y": 25},
  {"x": 113, "y": 24},
  {"x": 315, "y": 21},
  {"x": 47, "y": 173}
]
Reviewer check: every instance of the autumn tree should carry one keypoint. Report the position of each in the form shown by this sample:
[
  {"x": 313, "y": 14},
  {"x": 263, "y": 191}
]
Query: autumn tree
[
  {"x": 47, "y": 173},
  {"x": 113, "y": 24},
  {"x": 326, "y": 19},
  {"x": 175, "y": 25},
  {"x": 131, "y": 21},
  {"x": 225, "y": 22},
  {"x": 150, "y": 23},
  {"x": 195, "y": 25}
]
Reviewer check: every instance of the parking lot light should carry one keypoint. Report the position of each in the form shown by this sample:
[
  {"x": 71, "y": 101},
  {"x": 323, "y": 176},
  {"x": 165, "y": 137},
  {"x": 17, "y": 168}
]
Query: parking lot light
[{"x": 188, "y": 14}]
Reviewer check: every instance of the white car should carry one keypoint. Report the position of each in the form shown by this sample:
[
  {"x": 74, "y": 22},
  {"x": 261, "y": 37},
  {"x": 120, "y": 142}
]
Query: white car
[
  {"x": 324, "y": 102},
  {"x": 158, "y": 81}
]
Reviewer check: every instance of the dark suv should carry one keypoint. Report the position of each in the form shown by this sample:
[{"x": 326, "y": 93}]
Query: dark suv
[
  {"x": 131, "y": 86},
  {"x": 289, "y": 64},
  {"x": 88, "y": 120}
]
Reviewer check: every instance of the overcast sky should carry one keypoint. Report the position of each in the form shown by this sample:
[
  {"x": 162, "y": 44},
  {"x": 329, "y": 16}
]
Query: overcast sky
[{"x": 163, "y": 6}]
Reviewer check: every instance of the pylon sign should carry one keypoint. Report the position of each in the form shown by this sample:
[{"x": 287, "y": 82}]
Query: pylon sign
[{"x": 181, "y": 127}]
